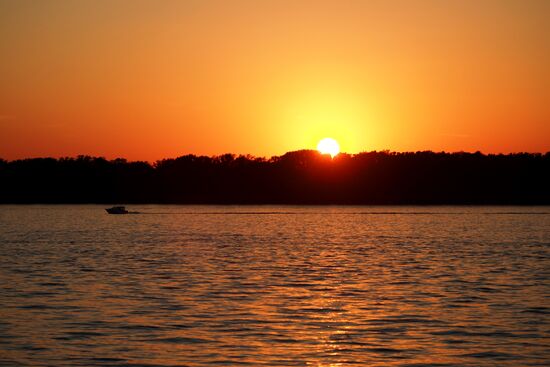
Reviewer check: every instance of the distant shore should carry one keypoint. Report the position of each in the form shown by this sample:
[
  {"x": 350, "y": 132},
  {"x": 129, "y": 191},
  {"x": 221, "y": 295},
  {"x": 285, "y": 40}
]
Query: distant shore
[{"x": 298, "y": 178}]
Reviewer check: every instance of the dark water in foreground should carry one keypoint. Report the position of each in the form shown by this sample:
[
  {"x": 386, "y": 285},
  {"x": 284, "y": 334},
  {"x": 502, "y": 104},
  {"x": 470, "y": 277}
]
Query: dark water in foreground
[{"x": 275, "y": 286}]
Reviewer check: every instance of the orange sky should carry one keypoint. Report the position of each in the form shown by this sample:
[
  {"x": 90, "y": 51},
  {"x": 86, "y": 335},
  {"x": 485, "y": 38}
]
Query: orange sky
[{"x": 155, "y": 79}]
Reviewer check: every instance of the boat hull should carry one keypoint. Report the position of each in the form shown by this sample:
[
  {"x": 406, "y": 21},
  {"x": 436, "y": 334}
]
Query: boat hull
[{"x": 117, "y": 210}]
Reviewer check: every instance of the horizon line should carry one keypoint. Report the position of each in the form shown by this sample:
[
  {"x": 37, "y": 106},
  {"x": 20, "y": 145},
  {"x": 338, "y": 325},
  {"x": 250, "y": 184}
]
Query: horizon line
[{"x": 248, "y": 155}]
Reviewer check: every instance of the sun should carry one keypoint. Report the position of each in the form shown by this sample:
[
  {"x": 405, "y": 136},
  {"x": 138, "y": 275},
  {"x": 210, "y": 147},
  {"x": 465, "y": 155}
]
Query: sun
[{"x": 328, "y": 146}]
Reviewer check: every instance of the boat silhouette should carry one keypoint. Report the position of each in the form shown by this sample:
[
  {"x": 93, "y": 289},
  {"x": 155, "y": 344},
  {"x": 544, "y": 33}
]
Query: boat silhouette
[{"x": 117, "y": 210}]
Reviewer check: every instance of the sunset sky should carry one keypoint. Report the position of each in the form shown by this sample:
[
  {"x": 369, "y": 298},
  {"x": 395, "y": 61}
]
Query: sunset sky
[{"x": 155, "y": 79}]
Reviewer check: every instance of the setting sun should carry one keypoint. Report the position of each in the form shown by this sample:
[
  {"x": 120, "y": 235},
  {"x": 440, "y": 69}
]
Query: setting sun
[{"x": 328, "y": 146}]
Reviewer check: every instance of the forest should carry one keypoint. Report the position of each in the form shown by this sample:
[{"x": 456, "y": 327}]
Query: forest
[{"x": 299, "y": 177}]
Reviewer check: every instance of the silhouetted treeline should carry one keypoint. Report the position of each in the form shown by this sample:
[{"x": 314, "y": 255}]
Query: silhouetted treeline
[{"x": 301, "y": 177}]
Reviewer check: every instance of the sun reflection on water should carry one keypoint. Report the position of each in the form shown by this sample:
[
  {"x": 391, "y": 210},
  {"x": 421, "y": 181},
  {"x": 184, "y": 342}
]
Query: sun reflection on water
[{"x": 327, "y": 287}]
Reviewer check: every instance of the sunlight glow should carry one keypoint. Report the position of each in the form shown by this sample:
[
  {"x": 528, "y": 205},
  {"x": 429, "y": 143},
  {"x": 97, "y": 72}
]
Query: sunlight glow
[{"x": 328, "y": 146}]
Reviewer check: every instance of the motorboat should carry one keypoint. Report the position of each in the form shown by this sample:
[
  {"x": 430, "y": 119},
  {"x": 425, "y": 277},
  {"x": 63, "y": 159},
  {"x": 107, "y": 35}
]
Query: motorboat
[{"x": 117, "y": 210}]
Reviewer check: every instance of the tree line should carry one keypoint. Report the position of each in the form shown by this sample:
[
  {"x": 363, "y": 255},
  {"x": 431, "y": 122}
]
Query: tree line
[{"x": 300, "y": 177}]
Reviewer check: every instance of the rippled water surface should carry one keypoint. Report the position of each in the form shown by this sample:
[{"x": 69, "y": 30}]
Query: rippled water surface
[{"x": 275, "y": 286}]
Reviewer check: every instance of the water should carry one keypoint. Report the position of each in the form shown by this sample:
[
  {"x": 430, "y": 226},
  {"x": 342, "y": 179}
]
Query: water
[{"x": 275, "y": 286}]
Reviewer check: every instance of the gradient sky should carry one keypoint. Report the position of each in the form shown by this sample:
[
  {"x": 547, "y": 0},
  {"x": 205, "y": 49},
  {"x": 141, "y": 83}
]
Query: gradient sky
[{"x": 155, "y": 79}]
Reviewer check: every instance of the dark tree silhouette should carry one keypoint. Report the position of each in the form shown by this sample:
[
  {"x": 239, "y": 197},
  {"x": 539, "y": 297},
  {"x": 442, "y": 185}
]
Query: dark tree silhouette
[{"x": 300, "y": 177}]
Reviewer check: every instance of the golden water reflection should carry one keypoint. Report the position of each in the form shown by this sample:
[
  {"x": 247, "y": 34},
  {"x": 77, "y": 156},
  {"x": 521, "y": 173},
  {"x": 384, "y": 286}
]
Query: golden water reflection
[{"x": 320, "y": 287}]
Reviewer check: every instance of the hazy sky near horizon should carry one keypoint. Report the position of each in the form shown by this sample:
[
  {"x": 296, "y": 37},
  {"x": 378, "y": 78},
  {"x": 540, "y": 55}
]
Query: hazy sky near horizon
[{"x": 155, "y": 79}]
